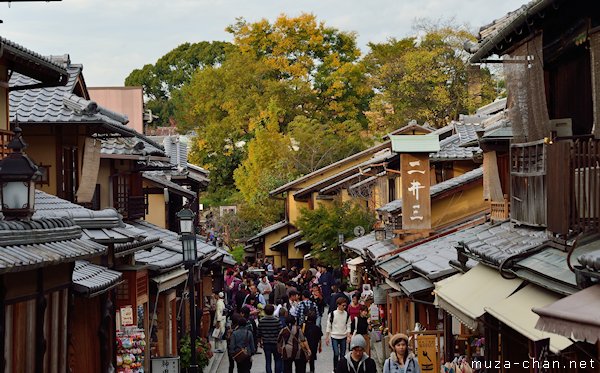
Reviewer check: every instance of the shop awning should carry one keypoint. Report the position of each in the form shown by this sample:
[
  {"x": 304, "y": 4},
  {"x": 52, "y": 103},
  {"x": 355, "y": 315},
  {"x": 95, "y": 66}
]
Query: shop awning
[
  {"x": 91, "y": 280},
  {"x": 576, "y": 316},
  {"x": 170, "y": 279},
  {"x": 466, "y": 295},
  {"x": 394, "y": 285},
  {"x": 515, "y": 311}
]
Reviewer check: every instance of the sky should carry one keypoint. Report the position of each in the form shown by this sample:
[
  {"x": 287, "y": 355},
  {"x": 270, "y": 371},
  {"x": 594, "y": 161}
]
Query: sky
[{"x": 111, "y": 38}]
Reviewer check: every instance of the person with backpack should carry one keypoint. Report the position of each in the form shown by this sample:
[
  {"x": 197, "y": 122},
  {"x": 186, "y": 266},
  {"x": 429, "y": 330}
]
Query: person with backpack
[
  {"x": 292, "y": 346},
  {"x": 401, "y": 359},
  {"x": 268, "y": 331},
  {"x": 305, "y": 307},
  {"x": 313, "y": 333},
  {"x": 241, "y": 346},
  {"x": 338, "y": 330},
  {"x": 360, "y": 326},
  {"x": 356, "y": 361}
]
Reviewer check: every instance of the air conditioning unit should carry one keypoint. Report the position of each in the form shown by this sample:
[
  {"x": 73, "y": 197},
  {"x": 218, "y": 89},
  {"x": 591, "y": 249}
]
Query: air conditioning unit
[{"x": 561, "y": 127}]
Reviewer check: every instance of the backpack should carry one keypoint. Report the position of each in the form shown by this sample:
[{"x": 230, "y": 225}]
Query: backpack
[
  {"x": 286, "y": 347},
  {"x": 331, "y": 316}
]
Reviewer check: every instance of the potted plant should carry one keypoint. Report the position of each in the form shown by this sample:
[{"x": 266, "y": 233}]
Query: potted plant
[{"x": 203, "y": 353}]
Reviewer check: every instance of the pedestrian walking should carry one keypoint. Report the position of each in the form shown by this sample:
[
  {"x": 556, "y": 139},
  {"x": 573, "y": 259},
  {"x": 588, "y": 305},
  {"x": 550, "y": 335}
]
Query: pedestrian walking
[
  {"x": 292, "y": 346},
  {"x": 305, "y": 307},
  {"x": 360, "y": 326},
  {"x": 338, "y": 330},
  {"x": 313, "y": 333},
  {"x": 356, "y": 361},
  {"x": 219, "y": 322},
  {"x": 401, "y": 359},
  {"x": 241, "y": 346},
  {"x": 268, "y": 331}
]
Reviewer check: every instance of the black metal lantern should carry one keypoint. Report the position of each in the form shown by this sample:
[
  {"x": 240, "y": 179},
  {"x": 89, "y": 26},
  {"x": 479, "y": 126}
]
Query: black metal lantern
[
  {"x": 186, "y": 221},
  {"x": 188, "y": 243},
  {"x": 17, "y": 181}
]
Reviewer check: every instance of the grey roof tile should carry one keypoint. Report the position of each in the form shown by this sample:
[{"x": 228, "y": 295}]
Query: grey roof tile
[
  {"x": 591, "y": 259},
  {"x": 450, "y": 149},
  {"x": 60, "y": 105},
  {"x": 416, "y": 285},
  {"x": 502, "y": 241},
  {"x": 28, "y": 58},
  {"x": 42, "y": 242},
  {"x": 130, "y": 146},
  {"x": 438, "y": 188},
  {"x": 170, "y": 241},
  {"x": 91, "y": 279}
]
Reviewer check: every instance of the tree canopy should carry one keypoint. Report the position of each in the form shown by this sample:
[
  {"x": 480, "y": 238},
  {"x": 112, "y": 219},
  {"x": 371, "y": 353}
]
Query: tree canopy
[
  {"x": 172, "y": 71},
  {"x": 293, "y": 95},
  {"x": 322, "y": 226}
]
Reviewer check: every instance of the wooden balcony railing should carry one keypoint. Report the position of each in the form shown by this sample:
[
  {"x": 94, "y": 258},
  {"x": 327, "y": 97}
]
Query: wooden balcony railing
[
  {"x": 500, "y": 211},
  {"x": 574, "y": 186}
]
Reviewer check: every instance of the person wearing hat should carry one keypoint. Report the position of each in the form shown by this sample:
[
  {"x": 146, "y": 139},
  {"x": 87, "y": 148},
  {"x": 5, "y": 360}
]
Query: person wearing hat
[
  {"x": 220, "y": 321},
  {"x": 356, "y": 361},
  {"x": 401, "y": 360}
]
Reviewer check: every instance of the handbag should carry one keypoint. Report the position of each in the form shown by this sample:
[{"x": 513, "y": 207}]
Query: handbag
[
  {"x": 242, "y": 354},
  {"x": 216, "y": 334}
]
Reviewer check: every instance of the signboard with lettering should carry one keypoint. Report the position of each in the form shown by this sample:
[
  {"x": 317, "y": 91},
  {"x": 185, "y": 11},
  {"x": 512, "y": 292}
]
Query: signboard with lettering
[
  {"x": 427, "y": 353},
  {"x": 165, "y": 365},
  {"x": 126, "y": 315},
  {"x": 416, "y": 203}
]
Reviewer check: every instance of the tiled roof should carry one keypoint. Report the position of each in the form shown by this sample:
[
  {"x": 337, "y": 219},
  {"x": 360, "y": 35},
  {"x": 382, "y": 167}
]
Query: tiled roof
[
  {"x": 91, "y": 279},
  {"x": 359, "y": 244},
  {"x": 170, "y": 240},
  {"x": 60, "y": 105},
  {"x": 288, "y": 238},
  {"x": 159, "y": 259},
  {"x": 591, "y": 259},
  {"x": 379, "y": 157},
  {"x": 160, "y": 178},
  {"x": 500, "y": 241},
  {"x": 41, "y": 243},
  {"x": 450, "y": 149},
  {"x": 439, "y": 188},
  {"x": 367, "y": 245},
  {"x": 130, "y": 146},
  {"x": 467, "y": 132},
  {"x": 496, "y": 32},
  {"x": 492, "y": 108},
  {"x": 31, "y": 62},
  {"x": 269, "y": 229},
  {"x": 548, "y": 268},
  {"x": 104, "y": 226},
  {"x": 431, "y": 259}
]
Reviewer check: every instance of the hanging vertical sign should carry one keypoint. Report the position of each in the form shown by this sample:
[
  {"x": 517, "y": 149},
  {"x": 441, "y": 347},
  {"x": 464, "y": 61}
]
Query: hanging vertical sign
[
  {"x": 126, "y": 315},
  {"x": 416, "y": 202}
]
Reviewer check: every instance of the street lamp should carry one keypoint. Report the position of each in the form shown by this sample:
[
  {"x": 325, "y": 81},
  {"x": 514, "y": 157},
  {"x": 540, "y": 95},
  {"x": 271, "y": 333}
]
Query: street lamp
[
  {"x": 17, "y": 181},
  {"x": 341, "y": 242},
  {"x": 190, "y": 256}
]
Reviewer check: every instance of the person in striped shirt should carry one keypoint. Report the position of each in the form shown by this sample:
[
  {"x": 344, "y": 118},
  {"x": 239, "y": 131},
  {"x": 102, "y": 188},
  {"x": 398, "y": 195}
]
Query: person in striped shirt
[{"x": 268, "y": 331}]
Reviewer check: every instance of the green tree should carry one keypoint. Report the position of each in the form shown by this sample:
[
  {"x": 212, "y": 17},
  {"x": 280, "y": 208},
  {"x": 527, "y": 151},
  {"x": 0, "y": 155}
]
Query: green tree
[
  {"x": 317, "y": 144},
  {"x": 322, "y": 226},
  {"x": 173, "y": 70},
  {"x": 267, "y": 166},
  {"x": 426, "y": 78}
]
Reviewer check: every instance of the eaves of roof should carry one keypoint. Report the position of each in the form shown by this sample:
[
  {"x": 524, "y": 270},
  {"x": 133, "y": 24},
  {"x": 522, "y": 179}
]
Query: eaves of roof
[
  {"x": 158, "y": 177},
  {"x": 323, "y": 170},
  {"x": 499, "y": 30},
  {"x": 32, "y": 64}
]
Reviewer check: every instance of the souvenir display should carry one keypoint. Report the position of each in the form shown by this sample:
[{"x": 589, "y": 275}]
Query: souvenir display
[{"x": 131, "y": 344}]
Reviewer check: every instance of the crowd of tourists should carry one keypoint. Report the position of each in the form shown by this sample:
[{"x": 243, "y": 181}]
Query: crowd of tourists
[{"x": 285, "y": 311}]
